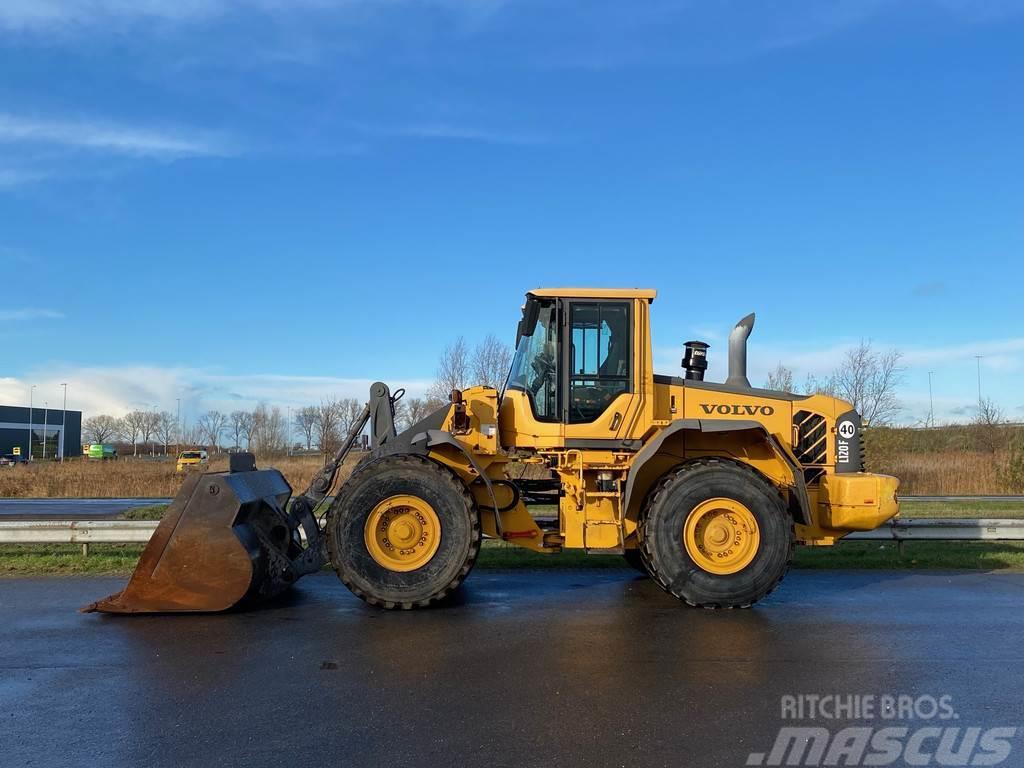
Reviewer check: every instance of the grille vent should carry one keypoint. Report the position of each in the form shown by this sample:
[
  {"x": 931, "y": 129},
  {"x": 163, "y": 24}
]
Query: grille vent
[{"x": 810, "y": 448}]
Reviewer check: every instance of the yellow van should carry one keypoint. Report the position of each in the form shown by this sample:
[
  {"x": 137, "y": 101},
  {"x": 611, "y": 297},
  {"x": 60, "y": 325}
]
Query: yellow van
[{"x": 192, "y": 460}]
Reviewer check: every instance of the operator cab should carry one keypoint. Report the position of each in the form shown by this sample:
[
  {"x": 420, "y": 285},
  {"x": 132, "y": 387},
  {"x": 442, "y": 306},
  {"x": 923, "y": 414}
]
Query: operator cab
[{"x": 577, "y": 362}]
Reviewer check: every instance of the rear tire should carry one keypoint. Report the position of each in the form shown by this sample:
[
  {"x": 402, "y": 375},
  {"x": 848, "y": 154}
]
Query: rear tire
[
  {"x": 635, "y": 560},
  {"x": 749, "y": 509},
  {"x": 406, "y": 491}
]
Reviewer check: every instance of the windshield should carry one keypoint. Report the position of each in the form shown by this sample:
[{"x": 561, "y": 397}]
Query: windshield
[
  {"x": 535, "y": 367},
  {"x": 191, "y": 455}
]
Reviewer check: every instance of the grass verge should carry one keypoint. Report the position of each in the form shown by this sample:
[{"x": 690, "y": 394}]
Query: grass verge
[
  {"x": 68, "y": 560},
  {"x": 151, "y": 512},
  {"x": 964, "y": 509},
  {"x": 968, "y": 555}
]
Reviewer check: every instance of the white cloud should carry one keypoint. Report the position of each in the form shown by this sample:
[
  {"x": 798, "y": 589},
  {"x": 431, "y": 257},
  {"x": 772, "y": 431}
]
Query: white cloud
[
  {"x": 36, "y": 15},
  {"x": 10, "y": 177},
  {"x": 761, "y": 358},
  {"x": 706, "y": 333},
  {"x": 461, "y": 133},
  {"x": 116, "y": 390},
  {"x": 10, "y": 315},
  {"x": 820, "y": 20},
  {"x": 1004, "y": 354},
  {"x": 107, "y": 137}
]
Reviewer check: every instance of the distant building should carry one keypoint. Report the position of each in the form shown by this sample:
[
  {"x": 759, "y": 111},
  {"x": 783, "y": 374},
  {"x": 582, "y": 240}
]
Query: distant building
[{"x": 54, "y": 432}]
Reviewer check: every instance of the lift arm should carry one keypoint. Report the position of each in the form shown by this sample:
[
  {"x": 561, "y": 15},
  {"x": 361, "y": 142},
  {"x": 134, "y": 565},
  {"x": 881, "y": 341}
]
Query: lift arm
[{"x": 380, "y": 413}]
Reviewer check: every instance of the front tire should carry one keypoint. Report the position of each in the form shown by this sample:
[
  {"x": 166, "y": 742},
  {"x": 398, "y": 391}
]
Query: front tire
[
  {"x": 716, "y": 534},
  {"x": 403, "y": 532}
]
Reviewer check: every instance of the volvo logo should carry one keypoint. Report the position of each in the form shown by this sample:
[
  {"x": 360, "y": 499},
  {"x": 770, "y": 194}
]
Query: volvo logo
[{"x": 737, "y": 410}]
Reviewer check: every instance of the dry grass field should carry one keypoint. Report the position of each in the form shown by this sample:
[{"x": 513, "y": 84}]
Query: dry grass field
[
  {"x": 946, "y": 474},
  {"x": 950, "y": 461},
  {"x": 129, "y": 478}
]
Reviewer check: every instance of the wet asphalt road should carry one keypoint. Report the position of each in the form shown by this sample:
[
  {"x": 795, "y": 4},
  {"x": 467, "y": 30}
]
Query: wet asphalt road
[
  {"x": 70, "y": 509},
  {"x": 594, "y": 668}
]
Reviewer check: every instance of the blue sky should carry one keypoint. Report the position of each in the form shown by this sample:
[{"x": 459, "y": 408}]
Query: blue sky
[{"x": 233, "y": 201}]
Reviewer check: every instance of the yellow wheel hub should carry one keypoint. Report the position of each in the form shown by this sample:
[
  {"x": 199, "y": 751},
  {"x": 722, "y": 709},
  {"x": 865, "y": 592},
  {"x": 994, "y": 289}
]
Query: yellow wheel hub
[
  {"x": 721, "y": 536},
  {"x": 402, "y": 533}
]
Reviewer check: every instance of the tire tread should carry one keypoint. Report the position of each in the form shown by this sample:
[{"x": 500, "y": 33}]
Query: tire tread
[
  {"x": 679, "y": 474},
  {"x": 449, "y": 480}
]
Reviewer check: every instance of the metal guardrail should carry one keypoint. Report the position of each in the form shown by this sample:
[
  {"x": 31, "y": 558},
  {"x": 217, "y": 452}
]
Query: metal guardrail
[
  {"x": 952, "y": 529},
  {"x": 86, "y": 532},
  {"x": 76, "y": 531}
]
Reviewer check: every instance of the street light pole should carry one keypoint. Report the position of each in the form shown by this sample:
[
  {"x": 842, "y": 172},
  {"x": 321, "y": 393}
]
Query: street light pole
[
  {"x": 931, "y": 402},
  {"x": 31, "y": 392},
  {"x": 177, "y": 429},
  {"x": 63, "y": 422},
  {"x": 978, "y": 358}
]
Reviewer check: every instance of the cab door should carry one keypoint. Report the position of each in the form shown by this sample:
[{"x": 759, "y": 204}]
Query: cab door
[{"x": 598, "y": 381}]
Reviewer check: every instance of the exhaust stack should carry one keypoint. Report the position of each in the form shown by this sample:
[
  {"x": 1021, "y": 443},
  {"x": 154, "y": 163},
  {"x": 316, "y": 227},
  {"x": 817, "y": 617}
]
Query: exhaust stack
[{"x": 738, "y": 352}]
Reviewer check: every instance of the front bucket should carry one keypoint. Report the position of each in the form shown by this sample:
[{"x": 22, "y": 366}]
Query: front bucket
[{"x": 226, "y": 537}]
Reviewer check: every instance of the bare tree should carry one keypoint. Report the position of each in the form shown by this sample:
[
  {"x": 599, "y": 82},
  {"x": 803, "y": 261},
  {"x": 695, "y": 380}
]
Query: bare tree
[
  {"x": 349, "y": 412},
  {"x": 414, "y": 411},
  {"x": 248, "y": 425},
  {"x": 868, "y": 380},
  {"x": 261, "y": 435},
  {"x": 327, "y": 424},
  {"x": 275, "y": 430},
  {"x": 401, "y": 414},
  {"x": 269, "y": 430},
  {"x": 452, "y": 370},
  {"x": 491, "y": 362},
  {"x": 191, "y": 436},
  {"x": 100, "y": 429},
  {"x": 988, "y": 425},
  {"x": 241, "y": 426},
  {"x": 989, "y": 414},
  {"x": 306, "y": 418},
  {"x": 353, "y": 409},
  {"x": 166, "y": 429},
  {"x": 815, "y": 386},
  {"x": 211, "y": 426},
  {"x": 780, "y": 379},
  {"x": 150, "y": 422},
  {"x": 417, "y": 408},
  {"x": 131, "y": 426}
]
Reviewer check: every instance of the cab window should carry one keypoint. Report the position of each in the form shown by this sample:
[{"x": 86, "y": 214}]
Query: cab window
[
  {"x": 600, "y": 357},
  {"x": 535, "y": 366}
]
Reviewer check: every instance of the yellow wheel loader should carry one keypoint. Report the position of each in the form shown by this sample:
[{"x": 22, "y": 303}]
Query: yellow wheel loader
[{"x": 705, "y": 486}]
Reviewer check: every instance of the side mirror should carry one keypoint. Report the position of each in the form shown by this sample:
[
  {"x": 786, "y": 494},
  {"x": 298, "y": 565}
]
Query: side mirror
[{"x": 531, "y": 311}]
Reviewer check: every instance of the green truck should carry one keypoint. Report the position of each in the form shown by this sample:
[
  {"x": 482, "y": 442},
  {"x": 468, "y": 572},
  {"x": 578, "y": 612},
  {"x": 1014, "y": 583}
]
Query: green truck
[{"x": 102, "y": 451}]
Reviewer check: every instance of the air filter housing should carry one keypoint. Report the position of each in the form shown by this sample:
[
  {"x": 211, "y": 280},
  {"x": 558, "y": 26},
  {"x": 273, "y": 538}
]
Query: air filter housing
[{"x": 695, "y": 360}]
